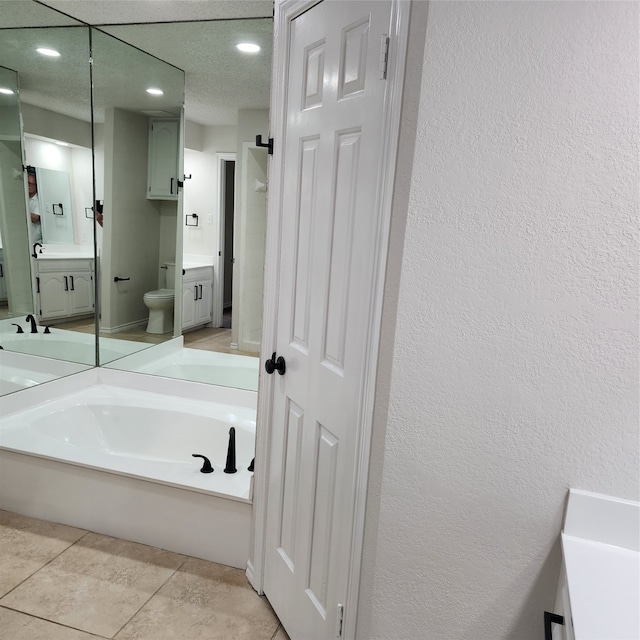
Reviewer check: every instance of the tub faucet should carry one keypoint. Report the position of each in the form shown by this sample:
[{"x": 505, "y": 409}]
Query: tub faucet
[
  {"x": 32, "y": 320},
  {"x": 231, "y": 452}
]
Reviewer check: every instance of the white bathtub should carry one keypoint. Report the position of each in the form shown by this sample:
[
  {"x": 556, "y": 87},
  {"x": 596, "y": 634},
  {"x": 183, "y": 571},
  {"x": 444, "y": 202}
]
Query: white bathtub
[{"x": 115, "y": 457}]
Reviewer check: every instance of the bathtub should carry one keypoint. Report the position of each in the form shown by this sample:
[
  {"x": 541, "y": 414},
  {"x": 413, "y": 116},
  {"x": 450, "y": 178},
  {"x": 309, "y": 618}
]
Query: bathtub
[
  {"x": 111, "y": 452},
  {"x": 19, "y": 371}
]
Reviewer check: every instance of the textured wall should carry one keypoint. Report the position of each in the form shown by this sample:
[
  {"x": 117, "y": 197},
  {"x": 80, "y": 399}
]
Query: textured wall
[{"x": 514, "y": 373}]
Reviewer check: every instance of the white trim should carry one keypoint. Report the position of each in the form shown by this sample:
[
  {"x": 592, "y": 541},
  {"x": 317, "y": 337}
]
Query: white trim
[
  {"x": 285, "y": 12},
  {"x": 218, "y": 275},
  {"x": 398, "y": 41}
]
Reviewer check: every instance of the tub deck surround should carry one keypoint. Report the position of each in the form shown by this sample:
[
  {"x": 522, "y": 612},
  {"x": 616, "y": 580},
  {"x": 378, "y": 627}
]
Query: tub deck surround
[
  {"x": 70, "y": 457},
  {"x": 19, "y": 371}
]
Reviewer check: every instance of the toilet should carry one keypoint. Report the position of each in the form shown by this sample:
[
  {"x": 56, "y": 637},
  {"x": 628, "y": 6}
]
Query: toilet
[{"x": 160, "y": 303}]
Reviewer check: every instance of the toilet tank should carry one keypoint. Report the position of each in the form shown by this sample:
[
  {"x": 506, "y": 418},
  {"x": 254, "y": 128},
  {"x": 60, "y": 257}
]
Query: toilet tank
[{"x": 170, "y": 275}]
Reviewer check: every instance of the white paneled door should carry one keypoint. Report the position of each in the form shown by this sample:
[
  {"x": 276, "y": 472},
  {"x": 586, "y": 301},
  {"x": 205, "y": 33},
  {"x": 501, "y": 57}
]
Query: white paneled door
[{"x": 330, "y": 231}]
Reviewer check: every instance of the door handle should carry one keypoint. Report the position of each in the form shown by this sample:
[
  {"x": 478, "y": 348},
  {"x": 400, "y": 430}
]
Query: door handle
[
  {"x": 171, "y": 187},
  {"x": 549, "y": 619},
  {"x": 66, "y": 283},
  {"x": 72, "y": 285},
  {"x": 278, "y": 365},
  {"x": 195, "y": 291},
  {"x": 200, "y": 286}
]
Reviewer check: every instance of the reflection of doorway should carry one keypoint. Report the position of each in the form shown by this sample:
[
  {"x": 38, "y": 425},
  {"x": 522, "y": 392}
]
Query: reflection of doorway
[
  {"x": 223, "y": 273},
  {"x": 228, "y": 210}
]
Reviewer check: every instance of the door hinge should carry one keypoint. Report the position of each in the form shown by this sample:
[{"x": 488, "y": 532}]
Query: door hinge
[
  {"x": 384, "y": 57},
  {"x": 339, "y": 618}
]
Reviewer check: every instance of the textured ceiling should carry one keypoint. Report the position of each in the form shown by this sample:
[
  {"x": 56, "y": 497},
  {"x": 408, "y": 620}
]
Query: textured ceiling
[{"x": 219, "y": 79}]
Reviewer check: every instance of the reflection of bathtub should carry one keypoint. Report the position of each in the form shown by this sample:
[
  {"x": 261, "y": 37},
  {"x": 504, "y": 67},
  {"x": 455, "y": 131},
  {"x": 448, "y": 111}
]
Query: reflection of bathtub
[
  {"x": 19, "y": 371},
  {"x": 67, "y": 345},
  {"x": 102, "y": 452},
  {"x": 173, "y": 361}
]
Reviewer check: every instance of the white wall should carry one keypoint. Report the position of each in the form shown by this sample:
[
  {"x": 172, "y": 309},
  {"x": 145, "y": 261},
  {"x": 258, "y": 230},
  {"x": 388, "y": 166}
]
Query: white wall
[
  {"x": 131, "y": 232},
  {"x": 201, "y": 191},
  {"x": 514, "y": 365}
]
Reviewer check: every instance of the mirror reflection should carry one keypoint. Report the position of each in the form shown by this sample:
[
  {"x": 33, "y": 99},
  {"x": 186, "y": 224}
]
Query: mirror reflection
[
  {"x": 112, "y": 240},
  {"x": 47, "y": 245},
  {"x": 221, "y": 230}
]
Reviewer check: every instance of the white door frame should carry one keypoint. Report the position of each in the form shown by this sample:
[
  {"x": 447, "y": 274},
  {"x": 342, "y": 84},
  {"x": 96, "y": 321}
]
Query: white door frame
[
  {"x": 218, "y": 276},
  {"x": 285, "y": 12}
]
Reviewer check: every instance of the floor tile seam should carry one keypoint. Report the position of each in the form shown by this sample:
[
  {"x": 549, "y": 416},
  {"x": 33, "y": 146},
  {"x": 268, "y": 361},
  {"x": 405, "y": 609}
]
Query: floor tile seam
[
  {"x": 59, "y": 624},
  {"x": 148, "y": 600},
  {"x": 275, "y": 633},
  {"x": 41, "y": 567}
]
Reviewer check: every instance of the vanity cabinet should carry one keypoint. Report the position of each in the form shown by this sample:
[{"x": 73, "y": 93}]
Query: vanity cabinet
[
  {"x": 197, "y": 297},
  {"x": 162, "y": 179},
  {"x": 64, "y": 288}
]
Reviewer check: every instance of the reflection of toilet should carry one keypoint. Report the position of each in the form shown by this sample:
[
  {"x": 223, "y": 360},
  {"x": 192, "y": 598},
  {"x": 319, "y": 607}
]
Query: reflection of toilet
[{"x": 160, "y": 304}]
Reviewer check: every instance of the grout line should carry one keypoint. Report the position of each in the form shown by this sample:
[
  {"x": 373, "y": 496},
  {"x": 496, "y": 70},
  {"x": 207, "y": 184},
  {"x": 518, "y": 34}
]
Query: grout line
[
  {"x": 41, "y": 567},
  {"x": 148, "y": 600},
  {"x": 275, "y": 633},
  {"x": 59, "y": 624}
]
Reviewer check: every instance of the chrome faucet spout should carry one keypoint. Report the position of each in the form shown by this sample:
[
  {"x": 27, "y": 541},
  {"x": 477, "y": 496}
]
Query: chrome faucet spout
[{"x": 32, "y": 320}]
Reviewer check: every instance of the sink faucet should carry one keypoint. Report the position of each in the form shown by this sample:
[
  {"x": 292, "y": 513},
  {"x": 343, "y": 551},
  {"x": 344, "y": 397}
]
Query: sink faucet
[
  {"x": 32, "y": 320},
  {"x": 34, "y": 254}
]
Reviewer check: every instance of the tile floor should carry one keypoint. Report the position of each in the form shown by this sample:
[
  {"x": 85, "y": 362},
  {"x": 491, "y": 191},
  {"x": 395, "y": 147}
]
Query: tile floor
[{"x": 62, "y": 583}]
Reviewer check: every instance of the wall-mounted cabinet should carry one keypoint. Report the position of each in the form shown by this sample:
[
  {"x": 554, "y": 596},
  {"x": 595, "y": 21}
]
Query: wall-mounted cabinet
[
  {"x": 162, "y": 181},
  {"x": 197, "y": 297},
  {"x": 64, "y": 288}
]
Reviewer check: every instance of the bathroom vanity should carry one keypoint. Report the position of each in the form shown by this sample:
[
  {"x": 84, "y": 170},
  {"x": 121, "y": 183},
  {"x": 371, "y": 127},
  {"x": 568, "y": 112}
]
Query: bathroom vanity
[
  {"x": 64, "y": 287},
  {"x": 598, "y": 596},
  {"x": 197, "y": 296}
]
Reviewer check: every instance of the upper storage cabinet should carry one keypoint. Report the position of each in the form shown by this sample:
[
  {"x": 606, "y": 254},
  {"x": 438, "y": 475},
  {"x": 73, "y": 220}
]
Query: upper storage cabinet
[{"x": 162, "y": 181}]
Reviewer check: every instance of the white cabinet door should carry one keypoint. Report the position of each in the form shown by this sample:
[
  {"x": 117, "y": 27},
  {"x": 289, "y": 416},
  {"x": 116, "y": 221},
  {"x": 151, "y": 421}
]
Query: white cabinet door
[
  {"x": 163, "y": 160},
  {"x": 3, "y": 283},
  {"x": 53, "y": 289},
  {"x": 80, "y": 292},
  {"x": 188, "y": 304},
  {"x": 203, "y": 304}
]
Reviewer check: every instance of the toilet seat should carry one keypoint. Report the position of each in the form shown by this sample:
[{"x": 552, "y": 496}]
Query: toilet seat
[{"x": 160, "y": 294}]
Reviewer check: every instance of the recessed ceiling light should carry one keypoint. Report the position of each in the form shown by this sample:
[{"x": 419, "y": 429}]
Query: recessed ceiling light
[
  {"x": 248, "y": 47},
  {"x": 48, "y": 52},
  {"x": 8, "y": 92},
  {"x": 155, "y": 92}
]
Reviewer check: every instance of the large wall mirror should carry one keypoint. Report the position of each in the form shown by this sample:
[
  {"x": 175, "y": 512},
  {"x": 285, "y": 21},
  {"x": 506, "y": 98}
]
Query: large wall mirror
[
  {"x": 166, "y": 205},
  {"x": 46, "y": 185},
  {"x": 221, "y": 230}
]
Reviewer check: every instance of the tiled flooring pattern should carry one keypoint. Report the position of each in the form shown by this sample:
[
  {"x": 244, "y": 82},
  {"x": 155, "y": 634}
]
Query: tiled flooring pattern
[{"x": 62, "y": 583}]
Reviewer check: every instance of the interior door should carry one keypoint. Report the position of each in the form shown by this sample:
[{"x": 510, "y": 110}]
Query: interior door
[{"x": 332, "y": 165}]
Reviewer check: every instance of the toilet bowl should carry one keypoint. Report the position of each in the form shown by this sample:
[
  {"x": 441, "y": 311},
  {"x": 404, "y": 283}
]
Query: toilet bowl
[{"x": 160, "y": 305}]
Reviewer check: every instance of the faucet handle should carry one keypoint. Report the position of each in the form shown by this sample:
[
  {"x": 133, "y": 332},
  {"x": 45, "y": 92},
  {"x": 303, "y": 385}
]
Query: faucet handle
[
  {"x": 47, "y": 330},
  {"x": 206, "y": 467},
  {"x": 20, "y": 329}
]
